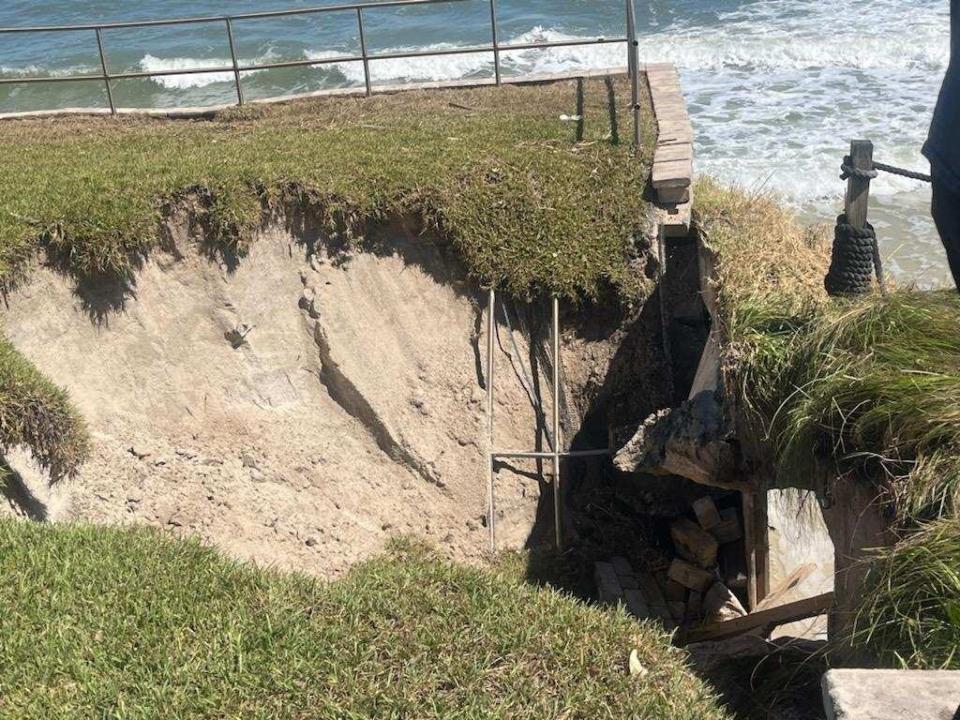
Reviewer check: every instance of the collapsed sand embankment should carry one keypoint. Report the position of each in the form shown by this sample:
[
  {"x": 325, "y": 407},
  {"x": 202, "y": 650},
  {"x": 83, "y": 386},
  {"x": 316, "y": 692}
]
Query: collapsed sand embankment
[{"x": 304, "y": 404}]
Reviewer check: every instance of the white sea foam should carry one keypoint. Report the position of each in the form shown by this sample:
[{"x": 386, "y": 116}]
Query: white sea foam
[{"x": 184, "y": 81}]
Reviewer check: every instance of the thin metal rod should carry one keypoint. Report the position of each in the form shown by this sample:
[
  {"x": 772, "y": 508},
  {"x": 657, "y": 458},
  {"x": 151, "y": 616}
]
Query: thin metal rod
[
  {"x": 557, "y": 440},
  {"x": 304, "y": 63},
  {"x": 491, "y": 507},
  {"x": 363, "y": 52},
  {"x": 219, "y": 18},
  {"x": 233, "y": 57},
  {"x": 633, "y": 67},
  {"x": 495, "y": 30},
  {"x": 532, "y": 455},
  {"x": 106, "y": 75}
]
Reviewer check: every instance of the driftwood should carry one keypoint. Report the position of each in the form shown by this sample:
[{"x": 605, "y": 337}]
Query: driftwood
[{"x": 690, "y": 441}]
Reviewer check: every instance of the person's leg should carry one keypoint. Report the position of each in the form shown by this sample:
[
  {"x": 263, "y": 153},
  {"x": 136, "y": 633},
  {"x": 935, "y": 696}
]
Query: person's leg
[{"x": 946, "y": 214}]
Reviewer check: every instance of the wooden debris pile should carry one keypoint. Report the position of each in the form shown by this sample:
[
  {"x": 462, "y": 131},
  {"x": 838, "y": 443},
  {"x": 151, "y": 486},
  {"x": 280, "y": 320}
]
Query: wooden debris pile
[{"x": 705, "y": 583}]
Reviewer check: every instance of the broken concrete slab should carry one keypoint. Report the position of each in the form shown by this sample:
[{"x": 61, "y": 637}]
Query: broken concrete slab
[{"x": 853, "y": 694}]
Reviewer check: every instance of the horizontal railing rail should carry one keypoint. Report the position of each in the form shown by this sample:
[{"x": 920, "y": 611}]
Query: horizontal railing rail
[{"x": 237, "y": 69}]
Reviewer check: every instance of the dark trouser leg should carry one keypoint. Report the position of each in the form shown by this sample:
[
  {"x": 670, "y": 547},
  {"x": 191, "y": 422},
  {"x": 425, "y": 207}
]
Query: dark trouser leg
[{"x": 946, "y": 214}]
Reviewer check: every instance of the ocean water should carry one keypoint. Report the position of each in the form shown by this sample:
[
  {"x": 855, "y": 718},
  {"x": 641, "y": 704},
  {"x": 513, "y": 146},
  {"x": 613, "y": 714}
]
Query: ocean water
[{"x": 776, "y": 88}]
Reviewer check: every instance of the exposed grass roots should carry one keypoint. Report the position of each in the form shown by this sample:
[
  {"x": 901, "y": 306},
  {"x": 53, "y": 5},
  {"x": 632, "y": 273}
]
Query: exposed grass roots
[{"x": 103, "y": 622}]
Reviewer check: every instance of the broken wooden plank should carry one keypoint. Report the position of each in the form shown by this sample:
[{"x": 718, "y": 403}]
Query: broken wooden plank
[
  {"x": 721, "y": 605},
  {"x": 693, "y": 543},
  {"x": 789, "y": 583},
  {"x": 781, "y": 615},
  {"x": 690, "y": 576},
  {"x": 728, "y": 530},
  {"x": 706, "y": 511}
]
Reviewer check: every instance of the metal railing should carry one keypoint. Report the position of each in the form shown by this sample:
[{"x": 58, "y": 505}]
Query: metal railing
[{"x": 237, "y": 69}]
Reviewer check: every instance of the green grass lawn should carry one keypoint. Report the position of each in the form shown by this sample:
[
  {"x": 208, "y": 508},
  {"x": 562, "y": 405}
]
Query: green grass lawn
[
  {"x": 105, "y": 623},
  {"x": 496, "y": 170}
]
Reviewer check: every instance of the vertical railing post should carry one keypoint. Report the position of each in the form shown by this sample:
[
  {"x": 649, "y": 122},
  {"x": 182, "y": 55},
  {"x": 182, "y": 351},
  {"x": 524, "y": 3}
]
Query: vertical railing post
[
  {"x": 557, "y": 439},
  {"x": 491, "y": 507},
  {"x": 495, "y": 30},
  {"x": 857, "y": 200},
  {"x": 633, "y": 68},
  {"x": 233, "y": 57},
  {"x": 106, "y": 75},
  {"x": 363, "y": 52}
]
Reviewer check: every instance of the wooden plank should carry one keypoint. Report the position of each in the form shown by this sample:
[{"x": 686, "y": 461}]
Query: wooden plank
[
  {"x": 720, "y": 604},
  {"x": 789, "y": 583},
  {"x": 858, "y": 189},
  {"x": 792, "y": 612},
  {"x": 747, "y": 500},
  {"x": 693, "y": 543},
  {"x": 729, "y": 530},
  {"x": 690, "y": 576},
  {"x": 762, "y": 545},
  {"x": 707, "y": 378},
  {"x": 706, "y": 511}
]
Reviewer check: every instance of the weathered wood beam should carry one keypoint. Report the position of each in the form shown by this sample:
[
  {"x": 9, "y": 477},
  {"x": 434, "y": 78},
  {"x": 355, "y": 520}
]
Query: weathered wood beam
[{"x": 781, "y": 615}]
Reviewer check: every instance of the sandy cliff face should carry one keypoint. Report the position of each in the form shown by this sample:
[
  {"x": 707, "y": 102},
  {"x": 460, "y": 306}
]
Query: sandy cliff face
[{"x": 297, "y": 407}]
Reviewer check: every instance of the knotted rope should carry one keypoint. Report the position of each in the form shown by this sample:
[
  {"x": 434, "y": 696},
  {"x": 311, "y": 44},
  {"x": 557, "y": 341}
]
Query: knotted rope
[
  {"x": 856, "y": 255},
  {"x": 854, "y": 259}
]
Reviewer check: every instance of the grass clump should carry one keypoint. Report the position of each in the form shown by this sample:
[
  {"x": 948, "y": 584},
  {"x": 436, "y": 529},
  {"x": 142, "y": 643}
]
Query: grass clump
[
  {"x": 496, "y": 170},
  {"x": 865, "y": 388},
  {"x": 36, "y": 414},
  {"x": 910, "y": 613},
  {"x": 104, "y": 622}
]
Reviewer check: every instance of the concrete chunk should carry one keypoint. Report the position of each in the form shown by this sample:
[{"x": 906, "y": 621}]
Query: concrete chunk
[{"x": 891, "y": 694}]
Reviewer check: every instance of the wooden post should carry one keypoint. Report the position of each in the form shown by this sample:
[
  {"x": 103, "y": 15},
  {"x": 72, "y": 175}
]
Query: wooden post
[
  {"x": 858, "y": 189},
  {"x": 756, "y": 541}
]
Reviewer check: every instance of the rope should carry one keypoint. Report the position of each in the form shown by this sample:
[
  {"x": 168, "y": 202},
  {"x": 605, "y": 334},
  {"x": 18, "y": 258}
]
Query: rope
[
  {"x": 847, "y": 171},
  {"x": 854, "y": 259}
]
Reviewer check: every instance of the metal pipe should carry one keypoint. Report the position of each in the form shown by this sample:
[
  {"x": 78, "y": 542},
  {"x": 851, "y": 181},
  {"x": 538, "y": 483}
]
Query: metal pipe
[
  {"x": 233, "y": 58},
  {"x": 219, "y": 18},
  {"x": 106, "y": 75},
  {"x": 496, "y": 40},
  {"x": 573, "y": 454},
  {"x": 491, "y": 508},
  {"x": 557, "y": 439},
  {"x": 300, "y": 63},
  {"x": 363, "y": 53},
  {"x": 633, "y": 67}
]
